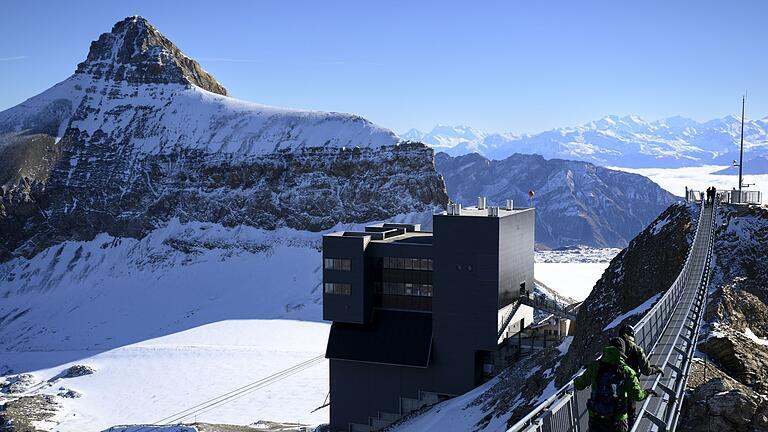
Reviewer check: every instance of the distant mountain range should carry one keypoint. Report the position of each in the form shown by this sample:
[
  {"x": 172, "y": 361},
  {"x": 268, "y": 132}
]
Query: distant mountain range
[
  {"x": 577, "y": 203},
  {"x": 613, "y": 141}
]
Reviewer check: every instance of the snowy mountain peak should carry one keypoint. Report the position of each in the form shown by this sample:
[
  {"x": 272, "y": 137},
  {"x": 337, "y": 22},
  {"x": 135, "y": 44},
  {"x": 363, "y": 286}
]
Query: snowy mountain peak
[{"x": 137, "y": 53}]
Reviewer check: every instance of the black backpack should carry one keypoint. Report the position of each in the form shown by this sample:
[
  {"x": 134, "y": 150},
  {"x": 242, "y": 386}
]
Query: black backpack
[{"x": 607, "y": 400}]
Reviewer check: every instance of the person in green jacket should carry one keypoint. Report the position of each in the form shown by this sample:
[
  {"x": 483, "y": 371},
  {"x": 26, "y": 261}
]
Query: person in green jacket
[
  {"x": 637, "y": 360},
  {"x": 613, "y": 384}
]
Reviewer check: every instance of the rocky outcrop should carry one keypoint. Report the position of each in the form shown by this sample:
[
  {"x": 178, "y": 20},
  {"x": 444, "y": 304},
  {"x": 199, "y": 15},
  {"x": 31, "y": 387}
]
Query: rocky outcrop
[
  {"x": 309, "y": 189},
  {"x": 577, "y": 203},
  {"x": 717, "y": 402},
  {"x": 140, "y": 135},
  {"x": 134, "y": 52},
  {"x": 25, "y": 413}
]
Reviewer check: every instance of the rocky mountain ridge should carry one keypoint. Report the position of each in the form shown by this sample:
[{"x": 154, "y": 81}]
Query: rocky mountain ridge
[
  {"x": 137, "y": 53},
  {"x": 141, "y": 134},
  {"x": 626, "y": 141},
  {"x": 577, "y": 203}
]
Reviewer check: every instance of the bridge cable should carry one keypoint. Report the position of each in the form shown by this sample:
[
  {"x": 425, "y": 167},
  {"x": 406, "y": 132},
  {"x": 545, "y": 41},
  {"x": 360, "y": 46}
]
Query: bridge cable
[{"x": 230, "y": 396}]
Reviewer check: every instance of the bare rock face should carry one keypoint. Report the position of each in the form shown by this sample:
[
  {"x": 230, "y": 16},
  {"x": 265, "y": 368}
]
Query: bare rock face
[
  {"x": 78, "y": 371},
  {"x": 719, "y": 403},
  {"x": 738, "y": 355},
  {"x": 140, "y": 135},
  {"x": 18, "y": 384},
  {"x": 577, "y": 203},
  {"x": 135, "y": 52},
  {"x": 21, "y": 415}
]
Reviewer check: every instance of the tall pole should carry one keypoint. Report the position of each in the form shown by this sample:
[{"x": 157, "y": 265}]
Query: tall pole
[{"x": 741, "y": 151}]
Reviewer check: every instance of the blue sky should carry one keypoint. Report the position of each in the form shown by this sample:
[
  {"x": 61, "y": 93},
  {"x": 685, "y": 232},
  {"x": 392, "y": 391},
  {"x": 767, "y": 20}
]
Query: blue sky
[{"x": 496, "y": 65}]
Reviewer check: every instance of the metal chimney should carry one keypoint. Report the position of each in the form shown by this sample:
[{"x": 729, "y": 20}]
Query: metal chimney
[
  {"x": 481, "y": 203},
  {"x": 510, "y": 205}
]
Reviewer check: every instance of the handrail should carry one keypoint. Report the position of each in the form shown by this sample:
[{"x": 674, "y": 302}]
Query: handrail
[
  {"x": 672, "y": 404},
  {"x": 648, "y": 332}
]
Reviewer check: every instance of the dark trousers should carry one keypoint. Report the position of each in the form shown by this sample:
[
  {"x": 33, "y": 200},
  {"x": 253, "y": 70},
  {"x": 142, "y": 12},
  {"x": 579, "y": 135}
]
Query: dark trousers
[
  {"x": 631, "y": 413},
  {"x": 597, "y": 424}
]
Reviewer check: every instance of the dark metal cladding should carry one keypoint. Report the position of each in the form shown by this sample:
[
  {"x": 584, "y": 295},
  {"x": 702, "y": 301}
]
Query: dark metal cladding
[{"x": 415, "y": 313}]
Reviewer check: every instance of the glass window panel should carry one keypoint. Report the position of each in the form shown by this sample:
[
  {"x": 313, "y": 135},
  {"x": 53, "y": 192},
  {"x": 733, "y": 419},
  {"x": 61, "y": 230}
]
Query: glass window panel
[{"x": 328, "y": 264}]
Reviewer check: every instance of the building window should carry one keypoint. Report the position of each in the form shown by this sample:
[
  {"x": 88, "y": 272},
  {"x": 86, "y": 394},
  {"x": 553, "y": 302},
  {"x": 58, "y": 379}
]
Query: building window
[
  {"x": 337, "y": 288},
  {"x": 407, "y": 263},
  {"x": 404, "y": 289},
  {"x": 342, "y": 264}
]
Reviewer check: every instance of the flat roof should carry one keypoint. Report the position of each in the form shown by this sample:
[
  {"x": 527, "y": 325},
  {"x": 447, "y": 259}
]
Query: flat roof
[
  {"x": 474, "y": 211},
  {"x": 409, "y": 237},
  {"x": 412, "y": 233}
]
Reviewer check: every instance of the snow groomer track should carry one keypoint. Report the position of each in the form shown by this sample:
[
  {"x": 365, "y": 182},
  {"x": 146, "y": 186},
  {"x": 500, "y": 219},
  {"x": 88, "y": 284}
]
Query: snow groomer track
[{"x": 667, "y": 332}]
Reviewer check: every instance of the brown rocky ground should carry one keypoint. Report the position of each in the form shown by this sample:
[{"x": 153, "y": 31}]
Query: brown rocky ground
[{"x": 20, "y": 415}]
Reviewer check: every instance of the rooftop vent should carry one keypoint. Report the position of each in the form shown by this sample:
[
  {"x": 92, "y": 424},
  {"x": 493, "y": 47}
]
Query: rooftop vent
[
  {"x": 454, "y": 209},
  {"x": 510, "y": 205},
  {"x": 493, "y": 211},
  {"x": 481, "y": 203}
]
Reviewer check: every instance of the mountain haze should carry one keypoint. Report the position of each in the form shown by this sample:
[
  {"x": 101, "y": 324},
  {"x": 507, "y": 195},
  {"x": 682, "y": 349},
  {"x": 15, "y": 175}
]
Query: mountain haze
[{"x": 614, "y": 141}]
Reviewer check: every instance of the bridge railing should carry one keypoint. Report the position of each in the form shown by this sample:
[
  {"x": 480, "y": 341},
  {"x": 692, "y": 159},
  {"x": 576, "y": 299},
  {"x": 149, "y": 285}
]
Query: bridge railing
[
  {"x": 664, "y": 412},
  {"x": 566, "y": 410}
]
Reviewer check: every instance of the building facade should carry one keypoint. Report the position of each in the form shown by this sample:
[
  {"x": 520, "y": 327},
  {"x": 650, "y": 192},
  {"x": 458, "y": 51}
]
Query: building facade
[{"x": 416, "y": 314}]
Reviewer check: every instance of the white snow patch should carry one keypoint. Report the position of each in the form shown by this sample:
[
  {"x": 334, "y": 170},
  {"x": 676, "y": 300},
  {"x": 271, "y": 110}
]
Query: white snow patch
[
  {"x": 646, "y": 305},
  {"x": 658, "y": 226},
  {"x": 748, "y": 332}
]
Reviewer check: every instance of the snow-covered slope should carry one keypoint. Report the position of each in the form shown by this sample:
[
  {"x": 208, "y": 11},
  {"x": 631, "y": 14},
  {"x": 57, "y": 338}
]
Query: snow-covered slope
[
  {"x": 169, "y": 236},
  {"x": 618, "y": 141},
  {"x": 141, "y": 134}
]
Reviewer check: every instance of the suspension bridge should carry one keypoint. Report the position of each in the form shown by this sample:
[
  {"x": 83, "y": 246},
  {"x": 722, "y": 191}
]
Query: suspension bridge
[{"x": 667, "y": 332}]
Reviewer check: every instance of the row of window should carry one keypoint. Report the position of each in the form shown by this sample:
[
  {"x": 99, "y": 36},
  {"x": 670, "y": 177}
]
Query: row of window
[
  {"x": 404, "y": 289},
  {"x": 337, "y": 288},
  {"x": 337, "y": 264},
  {"x": 407, "y": 263},
  {"x": 404, "y": 302}
]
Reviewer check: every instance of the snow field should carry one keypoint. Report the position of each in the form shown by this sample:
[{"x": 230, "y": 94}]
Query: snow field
[
  {"x": 675, "y": 180},
  {"x": 151, "y": 380},
  {"x": 574, "y": 280}
]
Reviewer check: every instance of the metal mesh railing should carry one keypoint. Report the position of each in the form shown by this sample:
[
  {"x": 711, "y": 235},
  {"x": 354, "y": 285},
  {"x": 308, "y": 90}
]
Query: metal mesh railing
[{"x": 668, "y": 332}]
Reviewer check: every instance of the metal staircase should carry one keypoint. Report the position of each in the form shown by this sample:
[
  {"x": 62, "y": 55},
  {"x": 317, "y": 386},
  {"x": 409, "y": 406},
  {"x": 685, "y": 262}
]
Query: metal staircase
[
  {"x": 407, "y": 406},
  {"x": 668, "y": 332}
]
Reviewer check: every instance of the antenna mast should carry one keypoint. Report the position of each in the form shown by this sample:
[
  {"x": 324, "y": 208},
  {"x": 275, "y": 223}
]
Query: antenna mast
[{"x": 741, "y": 151}]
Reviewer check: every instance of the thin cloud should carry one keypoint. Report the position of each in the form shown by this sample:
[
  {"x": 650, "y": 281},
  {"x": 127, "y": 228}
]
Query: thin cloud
[
  {"x": 13, "y": 58},
  {"x": 228, "y": 60},
  {"x": 308, "y": 63}
]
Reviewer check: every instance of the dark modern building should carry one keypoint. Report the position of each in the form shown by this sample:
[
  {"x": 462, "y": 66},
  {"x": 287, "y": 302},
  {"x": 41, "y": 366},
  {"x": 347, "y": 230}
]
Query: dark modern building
[{"x": 415, "y": 313}]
